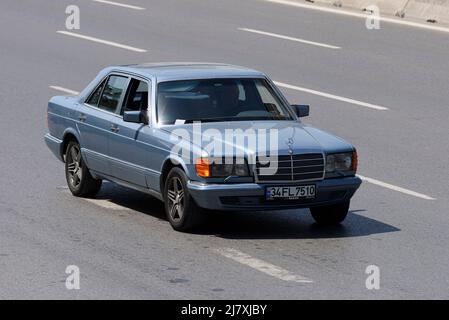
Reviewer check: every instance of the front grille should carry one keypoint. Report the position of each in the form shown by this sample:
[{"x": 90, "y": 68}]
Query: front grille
[{"x": 297, "y": 167}]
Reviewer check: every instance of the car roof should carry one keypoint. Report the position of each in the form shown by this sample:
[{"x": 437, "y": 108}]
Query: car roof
[{"x": 169, "y": 71}]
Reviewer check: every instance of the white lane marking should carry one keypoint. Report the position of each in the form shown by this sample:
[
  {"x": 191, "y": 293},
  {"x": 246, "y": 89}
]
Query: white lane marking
[
  {"x": 331, "y": 96},
  {"x": 118, "y": 4},
  {"x": 104, "y": 203},
  {"x": 109, "y": 43},
  {"x": 280, "y": 36},
  {"x": 396, "y": 188},
  {"x": 107, "y": 204},
  {"x": 359, "y": 15},
  {"x": 65, "y": 90},
  {"x": 261, "y": 265}
]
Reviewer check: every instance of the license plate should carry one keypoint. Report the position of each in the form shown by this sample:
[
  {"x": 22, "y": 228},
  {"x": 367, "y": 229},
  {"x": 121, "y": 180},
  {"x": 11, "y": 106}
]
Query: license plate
[{"x": 290, "y": 192}]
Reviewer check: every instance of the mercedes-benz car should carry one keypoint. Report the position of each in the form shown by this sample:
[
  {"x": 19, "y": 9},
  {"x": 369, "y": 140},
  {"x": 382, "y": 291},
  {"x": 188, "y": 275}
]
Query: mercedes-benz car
[{"x": 200, "y": 137}]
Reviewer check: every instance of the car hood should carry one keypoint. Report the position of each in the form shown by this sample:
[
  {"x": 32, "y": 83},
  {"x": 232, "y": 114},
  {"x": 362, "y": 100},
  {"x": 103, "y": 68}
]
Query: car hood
[{"x": 291, "y": 137}]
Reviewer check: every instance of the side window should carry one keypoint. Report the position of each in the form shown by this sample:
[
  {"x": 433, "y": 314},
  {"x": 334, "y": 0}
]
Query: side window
[
  {"x": 95, "y": 96},
  {"x": 137, "y": 96},
  {"x": 112, "y": 93}
]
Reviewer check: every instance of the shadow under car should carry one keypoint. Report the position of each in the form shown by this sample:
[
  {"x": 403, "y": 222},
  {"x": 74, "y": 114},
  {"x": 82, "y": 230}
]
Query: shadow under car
[{"x": 283, "y": 224}]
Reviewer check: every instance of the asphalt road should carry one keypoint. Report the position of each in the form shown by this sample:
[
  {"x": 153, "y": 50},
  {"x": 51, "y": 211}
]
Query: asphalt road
[{"x": 122, "y": 243}]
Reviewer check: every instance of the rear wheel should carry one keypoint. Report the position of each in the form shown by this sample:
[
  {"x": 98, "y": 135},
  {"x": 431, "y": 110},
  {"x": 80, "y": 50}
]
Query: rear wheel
[
  {"x": 330, "y": 215},
  {"x": 79, "y": 179},
  {"x": 181, "y": 210}
]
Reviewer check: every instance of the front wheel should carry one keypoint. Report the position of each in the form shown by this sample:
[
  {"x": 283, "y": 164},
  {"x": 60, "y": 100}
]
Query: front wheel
[
  {"x": 79, "y": 179},
  {"x": 330, "y": 215},
  {"x": 182, "y": 211}
]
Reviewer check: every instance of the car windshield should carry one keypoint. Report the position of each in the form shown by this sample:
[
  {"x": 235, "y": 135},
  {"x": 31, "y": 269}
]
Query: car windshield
[{"x": 217, "y": 100}]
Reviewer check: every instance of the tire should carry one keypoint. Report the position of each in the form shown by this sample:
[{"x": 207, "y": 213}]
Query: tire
[
  {"x": 79, "y": 179},
  {"x": 181, "y": 210},
  {"x": 330, "y": 215}
]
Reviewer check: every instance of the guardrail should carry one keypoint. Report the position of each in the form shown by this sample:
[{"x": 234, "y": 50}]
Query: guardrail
[{"x": 431, "y": 11}]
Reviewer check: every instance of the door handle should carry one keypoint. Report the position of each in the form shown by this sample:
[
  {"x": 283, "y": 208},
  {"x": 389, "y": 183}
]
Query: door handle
[
  {"x": 82, "y": 117},
  {"x": 114, "y": 128}
]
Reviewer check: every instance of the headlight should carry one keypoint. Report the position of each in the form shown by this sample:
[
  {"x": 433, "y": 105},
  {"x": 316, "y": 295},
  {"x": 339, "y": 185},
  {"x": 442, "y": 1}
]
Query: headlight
[
  {"x": 341, "y": 164},
  {"x": 218, "y": 168}
]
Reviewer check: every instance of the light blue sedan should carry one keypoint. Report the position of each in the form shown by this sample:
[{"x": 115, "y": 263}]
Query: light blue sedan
[{"x": 201, "y": 137}]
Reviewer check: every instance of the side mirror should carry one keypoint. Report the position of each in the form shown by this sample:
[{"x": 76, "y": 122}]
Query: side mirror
[
  {"x": 301, "y": 110},
  {"x": 135, "y": 116}
]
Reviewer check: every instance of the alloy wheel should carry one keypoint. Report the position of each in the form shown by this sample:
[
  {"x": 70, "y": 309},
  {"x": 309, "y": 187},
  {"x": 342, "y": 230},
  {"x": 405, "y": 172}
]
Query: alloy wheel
[
  {"x": 74, "y": 166},
  {"x": 175, "y": 198}
]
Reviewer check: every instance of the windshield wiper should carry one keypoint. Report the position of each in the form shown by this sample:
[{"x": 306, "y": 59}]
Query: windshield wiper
[
  {"x": 210, "y": 120},
  {"x": 234, "y": 119}
]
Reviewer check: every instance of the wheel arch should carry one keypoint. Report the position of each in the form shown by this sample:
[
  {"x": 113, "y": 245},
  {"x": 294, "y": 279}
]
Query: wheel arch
[
  {"x": 69, "y": 135},
  {"x": 170, "y": 163}
]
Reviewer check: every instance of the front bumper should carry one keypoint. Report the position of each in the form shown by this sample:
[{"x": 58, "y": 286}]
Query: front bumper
[{"x": 251, "y": 196}]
